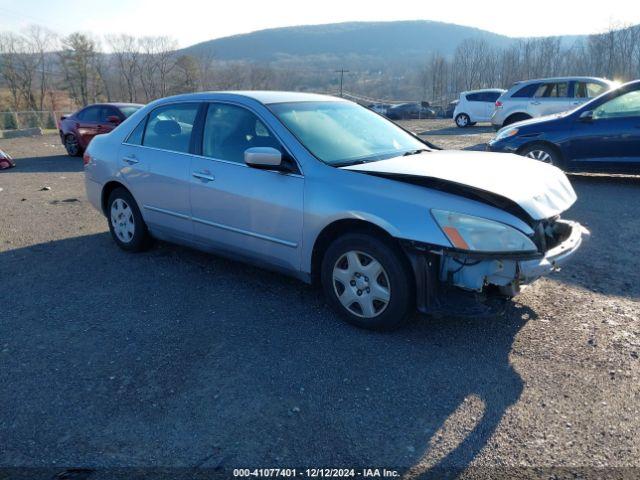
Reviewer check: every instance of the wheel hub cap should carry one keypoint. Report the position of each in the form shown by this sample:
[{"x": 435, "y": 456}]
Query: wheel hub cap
[
  {"x": 361, "y": 284},
  {"x": 122, "y": 220}
]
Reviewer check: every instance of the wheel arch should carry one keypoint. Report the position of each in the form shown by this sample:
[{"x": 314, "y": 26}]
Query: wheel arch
[
  {"x": 516, "y": 117},
  {"x": 109, "y": 187},
  {"x": 340, "y": 227}
]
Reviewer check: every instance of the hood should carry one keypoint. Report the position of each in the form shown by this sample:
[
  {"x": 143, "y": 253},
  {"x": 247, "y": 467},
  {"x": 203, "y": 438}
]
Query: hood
[
  {"x": 539, "y": 189},
  {"x": 540, "y": 120}
]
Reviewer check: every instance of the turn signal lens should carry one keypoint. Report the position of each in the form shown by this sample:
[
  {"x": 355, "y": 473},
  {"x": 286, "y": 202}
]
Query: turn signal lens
[
  {"x": 86, "y": 158},
  {"x": 456, "y": 238}
]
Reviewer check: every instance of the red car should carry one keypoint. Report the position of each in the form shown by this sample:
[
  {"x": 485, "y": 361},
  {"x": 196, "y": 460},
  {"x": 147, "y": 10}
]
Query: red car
[{"x": 77, "y": 129}]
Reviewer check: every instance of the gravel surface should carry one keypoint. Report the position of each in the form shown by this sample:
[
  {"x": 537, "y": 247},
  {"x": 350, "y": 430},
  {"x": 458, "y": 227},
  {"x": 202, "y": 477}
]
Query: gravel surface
[{"x": 173, "y": 358}]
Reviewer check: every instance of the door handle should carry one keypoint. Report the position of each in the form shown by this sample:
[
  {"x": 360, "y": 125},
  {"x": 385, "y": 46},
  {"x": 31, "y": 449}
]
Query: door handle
[
  {"x": 535, "y": 103},
  {"x": 131, "y": 160},
  {"x": 206, "y": 176}
]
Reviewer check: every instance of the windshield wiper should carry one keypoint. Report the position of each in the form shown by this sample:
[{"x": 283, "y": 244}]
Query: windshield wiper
[
  {"x": 414, "y": 152},
  {"x": 349, "y": 163}
]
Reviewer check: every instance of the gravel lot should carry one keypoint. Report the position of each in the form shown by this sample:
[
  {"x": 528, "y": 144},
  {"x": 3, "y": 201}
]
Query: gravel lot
[{"x": 173, "y": 358}]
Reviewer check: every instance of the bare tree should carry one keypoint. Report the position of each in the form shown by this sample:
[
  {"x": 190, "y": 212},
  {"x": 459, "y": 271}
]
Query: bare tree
[{"x": 126, "y": 52}]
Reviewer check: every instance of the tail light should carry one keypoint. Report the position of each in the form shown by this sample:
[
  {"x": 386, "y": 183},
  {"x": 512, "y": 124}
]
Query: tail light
[
  {"x": 498, "y": 103},
  {"x": 86, "y": 158}
]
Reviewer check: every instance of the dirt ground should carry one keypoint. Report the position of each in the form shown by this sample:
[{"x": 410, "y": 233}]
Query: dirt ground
[{"x": 186, "y": 361}]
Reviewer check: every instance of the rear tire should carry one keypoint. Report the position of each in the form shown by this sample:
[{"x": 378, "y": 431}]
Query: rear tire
[
  {"x": 126, "y": 224},
  {"x": 368, "y": 282},
  {"x": 462, "y": 120},
  {"x": 72, "y": 145}
]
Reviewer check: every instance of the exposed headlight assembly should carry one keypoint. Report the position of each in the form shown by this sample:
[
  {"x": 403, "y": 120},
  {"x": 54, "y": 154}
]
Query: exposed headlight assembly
[
  {"x": 506, "y": 132},
  {"x": 476, "y": 234}
]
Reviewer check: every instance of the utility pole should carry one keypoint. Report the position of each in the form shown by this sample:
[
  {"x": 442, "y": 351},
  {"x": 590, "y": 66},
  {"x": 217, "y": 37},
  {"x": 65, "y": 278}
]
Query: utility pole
[{"x": 342, "y": 71}]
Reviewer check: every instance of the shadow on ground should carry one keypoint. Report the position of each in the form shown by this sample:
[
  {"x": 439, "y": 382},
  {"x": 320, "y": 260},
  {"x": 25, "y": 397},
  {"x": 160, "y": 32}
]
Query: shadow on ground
[
  {"x": 176, "y": 358},
  {"x": 453, "y": 130},
  {"x": 48, "y": 164},
  {"x": 608, "y": 206}
]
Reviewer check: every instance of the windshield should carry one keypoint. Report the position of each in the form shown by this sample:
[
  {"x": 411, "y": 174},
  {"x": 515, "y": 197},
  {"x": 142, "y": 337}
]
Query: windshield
[
  {"x": 128, "y": 111},
  {"x": 343, "y": 133}
]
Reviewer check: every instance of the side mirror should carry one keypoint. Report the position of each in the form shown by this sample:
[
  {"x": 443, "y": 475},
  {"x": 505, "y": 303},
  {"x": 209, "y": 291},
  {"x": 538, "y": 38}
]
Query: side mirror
[
  {"x": 114, "y": 119},
  {"x": 265, "y": 158},
  {"x": 586, "y": 116}
]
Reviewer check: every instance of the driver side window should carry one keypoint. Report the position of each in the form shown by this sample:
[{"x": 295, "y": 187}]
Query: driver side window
[
  {"x": 626, "y": 105},
  {"x": 229, "y": 130}
]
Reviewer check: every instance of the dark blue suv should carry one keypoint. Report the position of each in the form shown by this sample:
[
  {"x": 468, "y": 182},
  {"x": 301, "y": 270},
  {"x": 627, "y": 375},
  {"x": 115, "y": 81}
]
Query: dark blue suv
[{"x": 600, "y": 136}]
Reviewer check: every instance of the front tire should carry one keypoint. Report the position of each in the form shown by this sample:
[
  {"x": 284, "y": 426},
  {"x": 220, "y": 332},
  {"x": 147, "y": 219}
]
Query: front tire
[
  {"x": 463, "y": 120},
  {"x": 126, "y": 224},
  {"x": 542, "y": 152},
  {"x": 368, "y": 281}
]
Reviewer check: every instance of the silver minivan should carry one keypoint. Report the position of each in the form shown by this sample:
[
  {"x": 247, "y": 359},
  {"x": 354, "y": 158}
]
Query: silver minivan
[
  {"x": 326, "y": 190},
  {"x": 546, "y": 96}
]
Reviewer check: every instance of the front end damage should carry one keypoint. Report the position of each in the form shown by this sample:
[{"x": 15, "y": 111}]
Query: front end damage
[{"x": 437, "y": 269}]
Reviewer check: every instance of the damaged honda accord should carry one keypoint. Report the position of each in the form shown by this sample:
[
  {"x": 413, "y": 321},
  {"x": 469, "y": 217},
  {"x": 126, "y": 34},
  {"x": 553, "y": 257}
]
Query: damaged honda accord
[{"x": 325, "y": 190}]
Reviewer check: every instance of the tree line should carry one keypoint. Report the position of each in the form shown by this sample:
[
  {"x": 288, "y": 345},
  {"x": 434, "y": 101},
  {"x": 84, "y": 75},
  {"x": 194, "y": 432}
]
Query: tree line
[{"x": 40, "y": 70}]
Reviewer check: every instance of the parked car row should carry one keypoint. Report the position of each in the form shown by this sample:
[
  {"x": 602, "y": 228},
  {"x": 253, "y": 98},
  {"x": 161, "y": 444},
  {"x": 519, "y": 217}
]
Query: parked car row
[
  {"x": 601, "y": 135},
  {"x": 528, "y": 99}
]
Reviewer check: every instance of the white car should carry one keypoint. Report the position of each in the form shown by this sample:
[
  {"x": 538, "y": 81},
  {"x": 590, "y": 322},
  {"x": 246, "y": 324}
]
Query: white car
[
  {"x": 546, "y": 96},
  {"x": 476, "y": 106}
]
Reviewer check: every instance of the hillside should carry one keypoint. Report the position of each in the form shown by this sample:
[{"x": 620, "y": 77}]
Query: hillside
[{"x": 401, "y": 40}]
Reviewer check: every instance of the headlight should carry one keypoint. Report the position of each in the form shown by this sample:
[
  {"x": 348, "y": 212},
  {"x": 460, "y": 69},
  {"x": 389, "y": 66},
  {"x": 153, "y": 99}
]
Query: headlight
[
  {"x": 476, "y": 234},
  {"x": 506, "y": 132}
]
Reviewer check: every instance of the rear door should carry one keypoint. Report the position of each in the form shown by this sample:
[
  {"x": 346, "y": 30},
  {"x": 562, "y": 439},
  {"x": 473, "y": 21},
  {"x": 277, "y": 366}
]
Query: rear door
[
  {"x": 246, "y": 211},
  {"x": 87, "y": 122},
  {"x": 155, "y": 162},
  {"x": 475, "y": 106},
  {"x": 550, "y": 98},
  {"x": 489, "y": 104},
  {"x": 611, "y": 140}
]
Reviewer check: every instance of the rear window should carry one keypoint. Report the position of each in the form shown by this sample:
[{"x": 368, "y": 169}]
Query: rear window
[
  {"x": 89, "y": 114},
  {"x": 527, "y": 91},
  {"x": 587, "y": 89},
  {"x": 491, "y": 96},
  {"x": 553, "y": 90},
  {"x": 169, "y": 127},
  {"x": 128, "y": 111}
]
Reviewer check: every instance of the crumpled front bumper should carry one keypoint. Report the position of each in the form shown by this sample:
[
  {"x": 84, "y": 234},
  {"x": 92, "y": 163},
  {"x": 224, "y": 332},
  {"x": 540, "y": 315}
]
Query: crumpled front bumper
[
  {"x": 437, "y": 270},
  {"x": 509, "y": 273},
  {"x": 529, "y": 270}
]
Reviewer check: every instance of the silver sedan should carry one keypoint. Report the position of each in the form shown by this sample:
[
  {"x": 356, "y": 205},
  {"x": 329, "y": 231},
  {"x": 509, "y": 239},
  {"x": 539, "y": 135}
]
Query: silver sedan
[{"x": 326, "y": 190}]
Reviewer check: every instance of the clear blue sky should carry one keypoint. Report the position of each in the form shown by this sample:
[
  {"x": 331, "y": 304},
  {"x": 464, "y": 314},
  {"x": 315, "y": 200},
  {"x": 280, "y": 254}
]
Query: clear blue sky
[{"x": 192, "y": 21}]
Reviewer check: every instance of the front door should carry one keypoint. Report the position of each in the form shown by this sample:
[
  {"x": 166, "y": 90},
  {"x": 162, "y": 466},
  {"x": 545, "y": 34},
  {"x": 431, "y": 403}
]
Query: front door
[
  {"x": 610, "y": 140},
  {"x": 242, "y": 210}
]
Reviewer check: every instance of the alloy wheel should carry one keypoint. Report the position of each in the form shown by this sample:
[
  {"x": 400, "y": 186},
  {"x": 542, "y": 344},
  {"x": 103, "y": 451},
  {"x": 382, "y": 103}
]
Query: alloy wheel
[
  {"x": 462, "y": 120},
  {"x": 540, "y": 155},
  {"x": 361, "y": 284}
]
